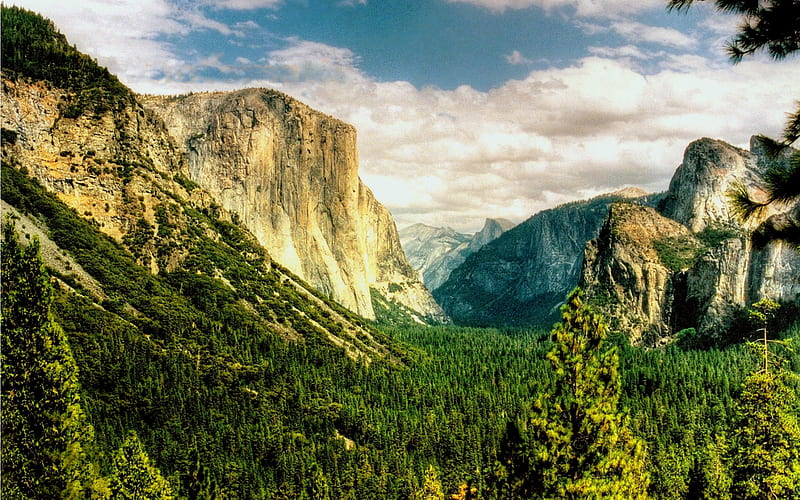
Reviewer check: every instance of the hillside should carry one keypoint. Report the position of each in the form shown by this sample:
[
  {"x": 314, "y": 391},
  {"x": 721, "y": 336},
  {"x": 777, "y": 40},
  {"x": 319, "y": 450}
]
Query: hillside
[{"x": 521, "y": 277}]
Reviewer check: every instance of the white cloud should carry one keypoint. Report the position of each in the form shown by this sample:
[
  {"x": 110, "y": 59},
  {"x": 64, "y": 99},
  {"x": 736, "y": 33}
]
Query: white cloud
[
  {"x": 306, "y": 60},
  {"x": 627, "y": 51},
  {"x": 583, "y": 8},
  {"x": 637, "y": 32},
  {"x": 454, "y": 157},
  {"x": 245, "y": 4},
  {"x": 119, "y": 34},
  {"x": 516, "y": 58}
]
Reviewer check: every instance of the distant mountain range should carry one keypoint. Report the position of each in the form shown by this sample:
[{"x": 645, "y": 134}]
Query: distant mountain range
[{"x": 435, "y": 251}]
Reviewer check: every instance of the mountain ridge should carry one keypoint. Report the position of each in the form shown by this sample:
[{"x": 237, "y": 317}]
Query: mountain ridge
[{"x": 435, "y": 252}]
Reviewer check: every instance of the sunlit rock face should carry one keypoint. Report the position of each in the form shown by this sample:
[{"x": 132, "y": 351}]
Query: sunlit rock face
[
  {"x": 291, "y": 175},
  {"x": 723, "y": 265}
]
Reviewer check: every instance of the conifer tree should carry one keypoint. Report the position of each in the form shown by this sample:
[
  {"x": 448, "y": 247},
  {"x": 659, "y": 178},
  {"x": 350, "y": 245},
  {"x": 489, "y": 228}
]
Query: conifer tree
[
  {"x": 431, "y": 486},
  {"x": 46, "y": 435},
  {"x": 578, "y": 443},
  {"x": 766, "y": 458},
  {"x": 133, "y": 477}
]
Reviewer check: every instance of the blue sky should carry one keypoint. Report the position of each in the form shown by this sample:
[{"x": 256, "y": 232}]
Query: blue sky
[{"x": 465, "y": 109}]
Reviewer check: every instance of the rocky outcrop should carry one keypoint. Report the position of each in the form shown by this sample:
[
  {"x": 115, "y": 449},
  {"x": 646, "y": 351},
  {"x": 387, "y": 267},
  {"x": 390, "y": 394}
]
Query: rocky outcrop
[
  {"x": 492, "y": 229},
  {"x": 706, "y": 276},
  {"x": 522, "y": 276},
  {"x": 291, "y": 175},
  {"x": 435, "y": 251},
  {"x": 624, "y": 273}
]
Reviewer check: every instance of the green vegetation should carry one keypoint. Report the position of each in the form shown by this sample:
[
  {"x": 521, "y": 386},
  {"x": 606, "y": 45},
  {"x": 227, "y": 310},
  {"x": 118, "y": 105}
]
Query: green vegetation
[
  {"x": 217, "y": 377},
  {"x": 681, "y": 253},
  {"x": 239, "y": 411},
  {"x": 576, "y": 443},
  {"x": 33, "y": 48}
]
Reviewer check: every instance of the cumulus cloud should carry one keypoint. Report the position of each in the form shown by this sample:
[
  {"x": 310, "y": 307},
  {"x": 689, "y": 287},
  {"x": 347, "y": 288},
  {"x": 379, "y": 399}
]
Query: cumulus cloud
[
  {"x": 306, "y": 60},
  {"x": 637, "y": 32},
  {"x": 123, "y": 35},
  {"x": 627, "y": 51},
  {"x": 244, "y": 4},
  {"x": 516, "y": 58},
  {"x": 454, "y": 157},
  {"x": 583, "y": 8}
]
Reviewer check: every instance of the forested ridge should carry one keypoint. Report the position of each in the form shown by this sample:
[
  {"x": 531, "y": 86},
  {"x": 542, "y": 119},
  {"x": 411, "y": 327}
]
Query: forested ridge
[{"x": 175, "y": 385}]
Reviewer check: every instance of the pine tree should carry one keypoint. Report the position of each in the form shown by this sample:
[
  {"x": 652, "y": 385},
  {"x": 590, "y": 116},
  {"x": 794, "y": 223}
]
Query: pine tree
[
  {"x": 133, "y": 477},
  {"x": 46, "y": 434},
  {"x": 766, "y": 462},
  {"x": 431, "y": 486},
  {"x": 578, "y": 443},
  {"x": 766, "y": 459}
]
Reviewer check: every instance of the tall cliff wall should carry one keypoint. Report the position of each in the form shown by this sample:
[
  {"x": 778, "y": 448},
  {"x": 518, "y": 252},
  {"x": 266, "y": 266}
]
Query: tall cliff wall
[
  {"x": 709, "y": 266},
  {"x": 291, "y": 174},
  {"x": 523, "y": 275}
]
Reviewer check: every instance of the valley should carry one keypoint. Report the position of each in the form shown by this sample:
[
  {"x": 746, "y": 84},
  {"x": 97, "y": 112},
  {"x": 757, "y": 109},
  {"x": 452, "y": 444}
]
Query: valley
[{"x": 202, "y": 299}]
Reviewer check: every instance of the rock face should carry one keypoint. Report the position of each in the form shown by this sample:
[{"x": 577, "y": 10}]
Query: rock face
[
  {"x": 624, "y": 273},
  {"x": 434, "y": 252},
  {"x": 522, "y": 276},
  {"x": 291, "y": 175},
  {"x": 666, "y": 280}
]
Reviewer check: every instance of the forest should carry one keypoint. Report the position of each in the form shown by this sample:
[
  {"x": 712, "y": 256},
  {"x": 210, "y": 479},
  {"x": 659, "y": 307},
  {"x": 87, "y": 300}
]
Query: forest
[{"x": 175, "y": 387}]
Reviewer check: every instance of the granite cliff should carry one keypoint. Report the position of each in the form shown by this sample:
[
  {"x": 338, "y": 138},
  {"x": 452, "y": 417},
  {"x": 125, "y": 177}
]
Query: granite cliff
[
  {"x": 435, "y": 251},
  {"x": 695, "y": 265},
  {"x": 523, "y": 275},
  {"x": 290, "y": 174}
]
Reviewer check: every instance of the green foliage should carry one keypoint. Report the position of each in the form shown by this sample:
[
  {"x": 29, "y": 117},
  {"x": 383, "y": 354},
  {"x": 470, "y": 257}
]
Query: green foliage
[
  {"x": 34, "y": 49},
  {"x": 431, "y": 488},
  {"x": 577, "y": 443},
  {"x": 766, "y": 459},
  {"x": 764, "y": 25},
  {"x": 46, "y": 436},
  {"x": 678, "y": 253},
  {"x": 132, "y": 475}
]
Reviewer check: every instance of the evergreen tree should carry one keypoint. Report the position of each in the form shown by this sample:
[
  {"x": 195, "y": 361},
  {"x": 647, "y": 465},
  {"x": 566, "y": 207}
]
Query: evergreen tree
[
  {"x": 766, "y": 460},
  {"x": 771, "y": 25},
  {"x": 46, "y": 435},
  {"x": 579, "y": 444},
  {"x": 431, "y": 486},
  {"x": 133, "y": 477}
]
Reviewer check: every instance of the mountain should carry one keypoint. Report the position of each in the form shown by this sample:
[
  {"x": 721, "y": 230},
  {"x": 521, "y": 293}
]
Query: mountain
[
  {"x": 287, "y": 173},
  {"x": 522, "y": 276},
  {"x": 694, "y": 265},
  {"x": 434, "y": 252},
  {"x": 290, "y": 173}
]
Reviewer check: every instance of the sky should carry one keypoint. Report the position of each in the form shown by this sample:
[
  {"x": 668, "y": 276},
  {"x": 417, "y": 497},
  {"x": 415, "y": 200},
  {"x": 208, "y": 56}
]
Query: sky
[{"x": 465, "y": 109}]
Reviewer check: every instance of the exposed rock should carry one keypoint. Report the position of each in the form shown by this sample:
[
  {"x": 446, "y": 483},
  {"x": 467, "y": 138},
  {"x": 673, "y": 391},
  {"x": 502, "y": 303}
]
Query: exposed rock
[
  {"x": 492, "y": 229},
  {"x": 697, "y": 195},
  {"x": 291, "y": 175},
  {"x": 725, "y": 266},
  {"x": 434, "y": 252},
  {"x": 624, "y": 274},
  {"x": 523, "y": 275}
]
